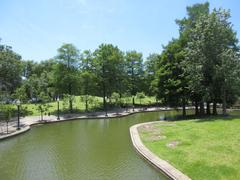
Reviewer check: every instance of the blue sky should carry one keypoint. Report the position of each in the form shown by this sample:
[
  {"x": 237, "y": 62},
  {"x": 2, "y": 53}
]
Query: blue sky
[{"x": 36, "y": 28}]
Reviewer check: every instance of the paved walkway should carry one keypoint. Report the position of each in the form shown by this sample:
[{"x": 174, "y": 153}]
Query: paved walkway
[{"x": 31, "y": 120}]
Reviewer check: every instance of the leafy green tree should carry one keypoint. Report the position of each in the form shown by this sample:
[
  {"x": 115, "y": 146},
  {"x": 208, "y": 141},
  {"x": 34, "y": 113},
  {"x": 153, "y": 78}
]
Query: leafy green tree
[
  {"x": 66, "y": 71},
  {"x": 10, "y": 69},
  {"x": 117, "y": 100},
  {"x": 150, "y": 70},
  {"x": 20, "y": 93},
  {"x": 88, "y": 78},
  {"x": 87, "y": 99},
  {"x": 6, "y": 113},
  {"x": 210, "y": 39},
  {"x": 228, "y": 74},
  {"x": 38, "y": 77},
  {"x": 140, "y": 96},
  {"x": 194, "y": 13},
  {"x": 88, "y": 85},
  {"x": 28, "y": 68},
  {"x": 33, "y": 88},
  {"x": 108, "y": 60},
  {"x": 170, "y": 80},
  {"x": 126, "y": 98},
  {"x": 134, "y": 63}
]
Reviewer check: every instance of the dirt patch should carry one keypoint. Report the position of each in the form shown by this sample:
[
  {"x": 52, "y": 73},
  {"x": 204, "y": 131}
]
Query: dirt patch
[
  {"x": 153, "y": 127},
  {"x": 155, "y": 137},
  {"x": 173, "y": 144},
  {"x": 168, "y": 124},
  {"x": 147, "y": 128}
]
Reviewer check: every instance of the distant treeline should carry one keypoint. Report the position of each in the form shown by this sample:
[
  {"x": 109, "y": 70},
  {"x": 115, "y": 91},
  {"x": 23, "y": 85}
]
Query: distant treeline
[{"x": 200, "y": 67}]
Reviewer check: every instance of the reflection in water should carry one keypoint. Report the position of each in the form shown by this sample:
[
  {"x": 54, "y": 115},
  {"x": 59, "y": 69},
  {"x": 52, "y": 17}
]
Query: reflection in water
[{"x": 82, "y": 149}]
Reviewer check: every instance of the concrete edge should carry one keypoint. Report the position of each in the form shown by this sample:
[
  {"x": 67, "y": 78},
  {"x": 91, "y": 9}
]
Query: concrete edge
[
  {"x": 28, "y": 127},
  {"x": 21, "y": 131},
  {"x": 160, "y": 164}
]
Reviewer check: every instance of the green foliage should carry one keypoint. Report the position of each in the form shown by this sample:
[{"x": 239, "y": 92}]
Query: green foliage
[
  {"x": 194, "y": 13},
  {"x": 170, "y": 81},
  {"x": 116, "y": 98},
  {"x": 140, "y": 96},
  {"x": 135, "y": 72},
  {"x": 208, "y": 51},
  {"x": 65, "y": 72},
  {"x": 88, "y": 100},
  {"x": 10, "y": 69},
  {"x": 109, "y": 64},
  {"x": 201, "y": 66},
  {"x": 6, "y": 112},
  {"x": 151, "y": 66}
]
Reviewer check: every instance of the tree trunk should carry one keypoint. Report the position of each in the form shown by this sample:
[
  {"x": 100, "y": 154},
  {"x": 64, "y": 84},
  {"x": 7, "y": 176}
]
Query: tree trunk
[
  {"x": 104, "y": 90},
  {"x": 184, "y": 107},
  {"x": 120, "y": 101},
  {"x": 86, "y": 105},
  {"x": 70, "y": 105},
  {"x": 133, "y": 102},
  {"x": 133, "y": 86},
  {"x": 70, "y": 97},
  {"x": 41, "y": 115},
  {"x": 7, "y": 127},
  {"x": 196, "y": 108},
  {"x": 224, "y": 104},
  {"x": 208, "y": 108},
  {"x": 104, "y": 99},
  {"x": 214, "y": 108},
  {"x": 202, "y": 112}
]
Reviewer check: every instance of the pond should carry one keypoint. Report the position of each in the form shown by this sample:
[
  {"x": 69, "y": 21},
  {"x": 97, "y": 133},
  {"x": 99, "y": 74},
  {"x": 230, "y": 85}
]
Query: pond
[{"x": 81, "y": 149}]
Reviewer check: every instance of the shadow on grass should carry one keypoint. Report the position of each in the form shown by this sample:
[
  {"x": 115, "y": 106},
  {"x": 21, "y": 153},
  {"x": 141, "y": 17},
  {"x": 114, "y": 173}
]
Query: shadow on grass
[
  {"x": 204, "y": 118},
  {"x": 217, "y": 118}
]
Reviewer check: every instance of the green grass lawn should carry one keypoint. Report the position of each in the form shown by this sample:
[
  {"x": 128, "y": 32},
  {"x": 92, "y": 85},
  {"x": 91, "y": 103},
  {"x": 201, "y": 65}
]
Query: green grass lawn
[
  {"x": 78, "y": 105},
  {"x": 202, "y": 149}
]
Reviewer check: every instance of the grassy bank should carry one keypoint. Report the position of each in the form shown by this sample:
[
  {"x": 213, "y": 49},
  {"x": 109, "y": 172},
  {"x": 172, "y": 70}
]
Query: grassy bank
[
  {"x": 78, "y": 105},
  {"x": 202, "y": 149}
]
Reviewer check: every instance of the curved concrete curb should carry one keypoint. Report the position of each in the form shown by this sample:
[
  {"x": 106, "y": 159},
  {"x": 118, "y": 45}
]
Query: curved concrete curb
[
  {"x": 160, "y": 164},
  {"x": 53, "y": 119},
  {"x": 31, "y": 121},
  {"x": 22, "y": 130}
]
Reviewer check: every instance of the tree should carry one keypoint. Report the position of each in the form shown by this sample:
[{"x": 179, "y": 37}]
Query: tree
[
  {"x": 42, "y": 73},
  {"x": 170, "y": 80},
  {"x": 228, "y": 73},
  {"x": 140, "y": 96},
  {"x": 108, "y": 60},
  {"x": 66, "y": 77},
  {"x": 34, "y": 88},
  {"x": 6, "y": 112},
  {"x": 194, "y": 12},
  {"x": 10, "y": 69},
  {"x": 134, "y": 63},
  {"x": 88, "y": 78},
  {"x": 117, "y": 101},
  {"x": 211, "y": 38},
  {"x": 29, "y": 68},
  {"x": 150, "y": 70},
  {"x": 186, "y": 25}
]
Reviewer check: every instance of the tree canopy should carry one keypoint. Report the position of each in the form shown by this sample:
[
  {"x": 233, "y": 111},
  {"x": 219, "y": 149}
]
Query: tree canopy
[{"x": 200, "y": 68}]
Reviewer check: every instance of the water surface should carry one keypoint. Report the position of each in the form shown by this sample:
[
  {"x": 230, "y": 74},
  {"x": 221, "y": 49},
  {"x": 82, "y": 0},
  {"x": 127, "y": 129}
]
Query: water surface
[{"x": 81, "y": 149}]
